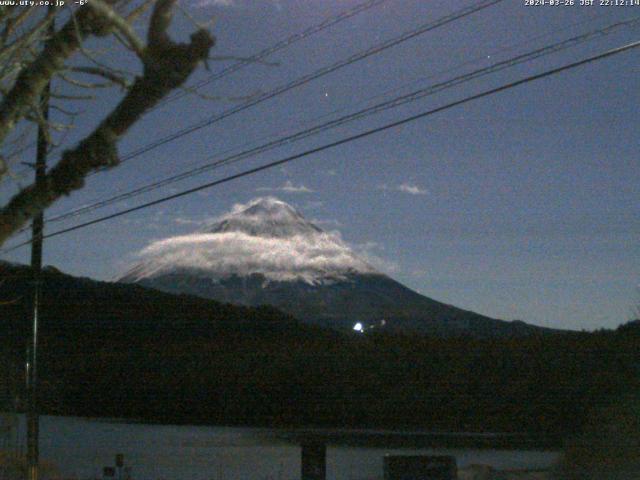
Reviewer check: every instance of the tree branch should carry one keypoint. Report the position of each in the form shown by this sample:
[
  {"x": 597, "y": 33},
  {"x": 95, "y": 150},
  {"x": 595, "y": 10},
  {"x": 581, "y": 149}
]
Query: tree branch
[
  {"x": 110, "y": 75},
  {"x": 120, "y": 24},
  {"x": 167, "y": 65},
  {"x": 32, "y": 79}
]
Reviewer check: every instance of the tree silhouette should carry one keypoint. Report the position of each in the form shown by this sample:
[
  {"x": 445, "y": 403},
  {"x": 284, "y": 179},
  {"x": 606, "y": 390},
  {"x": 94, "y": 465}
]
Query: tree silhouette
[{"x": 32, "y": 54}]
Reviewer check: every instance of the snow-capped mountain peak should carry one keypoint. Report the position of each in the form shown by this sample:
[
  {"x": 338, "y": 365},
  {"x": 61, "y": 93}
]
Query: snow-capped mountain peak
[
  {"x": 265, "y": 217},
  {"x": 265, "y": 236},
  {"x": 266, "y": 253}
]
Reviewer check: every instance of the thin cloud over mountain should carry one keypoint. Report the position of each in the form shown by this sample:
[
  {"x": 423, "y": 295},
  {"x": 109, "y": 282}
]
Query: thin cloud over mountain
[
  {"x": 411, "y": 189},
  {"x": 287, "y": 187},
  {"x": 405, "y": 187},
  {"x": 265, "y": 236},
  {"x": 217, "y": 3}
]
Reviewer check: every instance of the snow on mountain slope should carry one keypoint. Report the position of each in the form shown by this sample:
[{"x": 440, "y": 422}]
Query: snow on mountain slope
[{"x": 265, "y": 236}]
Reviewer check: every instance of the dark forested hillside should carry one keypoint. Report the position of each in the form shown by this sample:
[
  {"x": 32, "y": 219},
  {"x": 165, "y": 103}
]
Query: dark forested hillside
[{"x": 126, "y": 351}]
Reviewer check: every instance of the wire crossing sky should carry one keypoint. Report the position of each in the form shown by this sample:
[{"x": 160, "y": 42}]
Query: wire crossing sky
[
  {"x": 522, "y": 205},
  {"x": 395, "y": 102},
  {"x": 264, "y": 53},
  {"x": 373, "y": 50},
  {"x": 360, "y": 136}
]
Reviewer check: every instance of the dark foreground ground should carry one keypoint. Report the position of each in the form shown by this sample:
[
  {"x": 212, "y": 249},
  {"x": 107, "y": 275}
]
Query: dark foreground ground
[{"x": 125, "y": 351}]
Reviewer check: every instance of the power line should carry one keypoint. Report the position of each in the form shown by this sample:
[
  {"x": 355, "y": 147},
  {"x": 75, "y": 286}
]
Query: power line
[
  {"x": 424, "y": 28},
  {"x": 457, "y": 15},
  {"x": 395, "y": 102},
  {"x": 349, "y": 139},
  {"x": 326, "y": 23},
  {"x": 97, "y": 203},
  {"x": 257, "y": 57}
]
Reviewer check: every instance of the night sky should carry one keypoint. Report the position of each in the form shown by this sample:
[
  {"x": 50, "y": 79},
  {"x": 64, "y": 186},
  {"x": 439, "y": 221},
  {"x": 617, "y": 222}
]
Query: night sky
[{"x": 522, "y": 205}]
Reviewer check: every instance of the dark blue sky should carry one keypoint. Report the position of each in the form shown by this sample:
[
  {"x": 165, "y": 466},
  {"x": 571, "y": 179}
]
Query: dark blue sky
[{"x": 523, "y": 205}]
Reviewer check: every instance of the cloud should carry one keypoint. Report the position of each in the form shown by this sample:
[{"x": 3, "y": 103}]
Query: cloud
[
  {"x": 264, "y": 236},
  {"x": 194, "y": 221},
  {"x": 411, "y": 189},
  {"x": 306, "y": 258},
  {"x": 216, "y": 3},
  {"x": 405, "y": 187},
  {"x": 288, "y": 187}
]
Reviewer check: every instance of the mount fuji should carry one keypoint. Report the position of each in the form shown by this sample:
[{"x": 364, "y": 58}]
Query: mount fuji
[{"x": 266, "y": 252}]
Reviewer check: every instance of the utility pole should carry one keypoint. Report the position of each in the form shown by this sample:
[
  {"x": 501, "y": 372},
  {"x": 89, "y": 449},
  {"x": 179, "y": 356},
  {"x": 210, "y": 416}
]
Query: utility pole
[{"x": 37, "y": 227}]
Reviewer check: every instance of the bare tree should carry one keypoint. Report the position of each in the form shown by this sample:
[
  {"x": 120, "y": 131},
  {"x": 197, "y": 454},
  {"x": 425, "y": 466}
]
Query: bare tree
[{"x": 27, "y": 67}]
